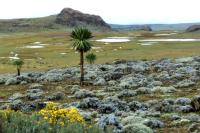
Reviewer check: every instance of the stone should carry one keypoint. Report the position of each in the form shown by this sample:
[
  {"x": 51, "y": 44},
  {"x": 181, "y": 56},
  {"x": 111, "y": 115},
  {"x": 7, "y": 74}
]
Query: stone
[
  {"x": 12, "y": 81},
  {"x": 100, "y": 81},
  {"x": 183, "y": 101}
]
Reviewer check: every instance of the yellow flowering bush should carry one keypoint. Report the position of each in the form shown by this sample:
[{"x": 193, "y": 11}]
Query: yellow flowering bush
[
  {"x": 5, "y": 114},
  {"x": 53, "y": 114}
]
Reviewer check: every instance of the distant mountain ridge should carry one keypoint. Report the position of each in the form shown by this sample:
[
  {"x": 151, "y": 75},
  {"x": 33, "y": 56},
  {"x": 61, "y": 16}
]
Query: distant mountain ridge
[{"x": 154, "y": 27}]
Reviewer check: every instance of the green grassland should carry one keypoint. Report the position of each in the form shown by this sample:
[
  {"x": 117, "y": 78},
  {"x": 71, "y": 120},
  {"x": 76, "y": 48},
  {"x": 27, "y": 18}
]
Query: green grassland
[{"x": 60, "y": 42}]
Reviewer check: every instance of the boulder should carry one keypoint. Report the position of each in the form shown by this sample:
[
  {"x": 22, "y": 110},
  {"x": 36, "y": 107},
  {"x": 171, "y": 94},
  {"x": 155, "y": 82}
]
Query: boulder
[
  {"x": 100, "y": 81},
  {"x": 183, "y": 101},
  {"x": 12, "y": 81}
]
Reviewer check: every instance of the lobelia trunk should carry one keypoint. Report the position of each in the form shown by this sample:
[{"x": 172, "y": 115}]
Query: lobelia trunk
[
  {"x": 18, "y": 72},
  {"x": 81, "y": 68}
]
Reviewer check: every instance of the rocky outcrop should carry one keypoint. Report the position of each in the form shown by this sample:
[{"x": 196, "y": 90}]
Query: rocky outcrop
[
  {"x": 73, "y": 18},
  {"x": 145, "y": 28},
  {"x": 193, "y": 28}
]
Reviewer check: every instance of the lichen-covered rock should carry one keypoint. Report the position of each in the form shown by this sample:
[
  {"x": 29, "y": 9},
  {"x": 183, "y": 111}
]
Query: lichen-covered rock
[
  {"x": 183, "y": 101},
  {"x": 12, "y": 81}
]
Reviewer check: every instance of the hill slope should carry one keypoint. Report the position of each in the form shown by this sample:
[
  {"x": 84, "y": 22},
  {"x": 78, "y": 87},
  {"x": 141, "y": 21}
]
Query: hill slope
[{"x": 67, "y": 19}]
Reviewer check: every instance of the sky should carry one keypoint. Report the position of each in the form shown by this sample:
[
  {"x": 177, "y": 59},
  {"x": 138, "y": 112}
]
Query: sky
[{"x": 112, "y": 11}]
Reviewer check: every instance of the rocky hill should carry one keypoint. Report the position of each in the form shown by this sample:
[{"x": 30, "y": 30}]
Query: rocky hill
[
  {"x": 66, "y": 19},
  {"x": 193, "y": 28},
  {"x": 72, "y": 17}
]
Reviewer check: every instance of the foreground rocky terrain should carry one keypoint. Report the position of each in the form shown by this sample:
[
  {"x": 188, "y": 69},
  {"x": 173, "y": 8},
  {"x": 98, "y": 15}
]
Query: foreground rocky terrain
[{"x": 146, "y": 96}]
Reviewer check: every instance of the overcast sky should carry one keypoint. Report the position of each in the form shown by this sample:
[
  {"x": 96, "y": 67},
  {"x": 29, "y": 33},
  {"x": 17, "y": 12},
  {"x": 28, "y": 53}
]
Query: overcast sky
[{"x": 112, "y": 11}]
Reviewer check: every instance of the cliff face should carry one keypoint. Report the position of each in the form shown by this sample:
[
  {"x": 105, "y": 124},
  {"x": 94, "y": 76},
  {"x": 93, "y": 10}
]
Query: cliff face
[
  {"x": 193, "y": 28},
  {"x": 72, "y": 17}
]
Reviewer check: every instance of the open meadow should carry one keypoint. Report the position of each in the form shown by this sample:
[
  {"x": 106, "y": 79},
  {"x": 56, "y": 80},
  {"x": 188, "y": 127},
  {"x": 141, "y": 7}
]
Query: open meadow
[{"x": 46, "y": 50}]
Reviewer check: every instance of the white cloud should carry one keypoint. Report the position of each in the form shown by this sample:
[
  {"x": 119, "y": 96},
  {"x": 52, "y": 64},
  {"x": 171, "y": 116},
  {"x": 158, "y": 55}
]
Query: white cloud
[{"x": 112, "y": 11}]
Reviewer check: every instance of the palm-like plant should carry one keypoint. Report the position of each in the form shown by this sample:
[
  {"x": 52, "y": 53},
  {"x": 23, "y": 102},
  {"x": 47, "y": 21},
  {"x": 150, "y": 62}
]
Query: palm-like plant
[
  {"x": 18, "y": 63},
  {"x": 91, "y": 57},
  {"x": 81, "y": 44}
]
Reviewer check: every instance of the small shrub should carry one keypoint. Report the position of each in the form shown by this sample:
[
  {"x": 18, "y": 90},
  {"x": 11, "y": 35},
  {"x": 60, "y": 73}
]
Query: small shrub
[
  {"x": 53, "y": 115},
  {"x": 137, "y": 128},
  {"x": 91, "y": 57}
]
